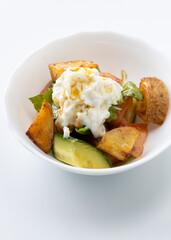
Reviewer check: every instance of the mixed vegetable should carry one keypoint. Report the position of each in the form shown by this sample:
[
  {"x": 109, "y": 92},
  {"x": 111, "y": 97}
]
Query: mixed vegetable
[{"x": 95, "y": 137}]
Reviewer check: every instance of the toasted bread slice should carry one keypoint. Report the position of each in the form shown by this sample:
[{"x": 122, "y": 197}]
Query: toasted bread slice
[{"x": 56, "y": 69}]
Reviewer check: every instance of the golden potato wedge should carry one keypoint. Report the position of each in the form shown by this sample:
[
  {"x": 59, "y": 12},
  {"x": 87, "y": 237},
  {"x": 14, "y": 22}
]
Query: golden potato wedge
[
  {"x": 154, "y": 107},
  {"x": 41, "y": 131},
  {"x": 56, "y": 69},
  {"x": 119, "y": 142}
]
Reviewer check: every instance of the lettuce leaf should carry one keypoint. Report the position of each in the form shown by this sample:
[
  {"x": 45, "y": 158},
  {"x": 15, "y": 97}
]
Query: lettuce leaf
[
  {"x": 113, "y": 113},
  {"x": 131, "y": 90},
  {"x": 38, "y": 100}
]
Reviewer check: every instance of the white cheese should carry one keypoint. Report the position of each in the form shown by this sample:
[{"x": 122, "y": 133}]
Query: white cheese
[{"x": 81, "y": 93}]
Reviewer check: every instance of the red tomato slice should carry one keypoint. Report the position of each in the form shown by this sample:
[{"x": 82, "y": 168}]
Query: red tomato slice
[
  {"x": 120, "y": 121},
  {"x": 46, "y": 87},
  {"x": 109, "y": 75}
]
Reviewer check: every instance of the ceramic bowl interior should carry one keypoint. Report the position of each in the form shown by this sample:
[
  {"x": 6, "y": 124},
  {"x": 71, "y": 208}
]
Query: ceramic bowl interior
[{"x": 113, "y": 52}]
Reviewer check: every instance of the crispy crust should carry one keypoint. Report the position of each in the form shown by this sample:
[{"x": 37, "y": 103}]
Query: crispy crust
[
  {"x": 41, "y": 131},
  {"x": 56, "y": 69},
  {"x": 154, "y": 107}
]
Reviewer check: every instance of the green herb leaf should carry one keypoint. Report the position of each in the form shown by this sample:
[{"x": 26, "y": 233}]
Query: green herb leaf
[
  {"x": 83, "y": 131},
  {"x": 123, "y": 77},
  {"x": 38, "y": 99},
  {"x": 98, "y": 68},
  {"x": 113, "y": 113},
  {"x": 131, "y": 90},
  {"x": 48, "y": 96}
]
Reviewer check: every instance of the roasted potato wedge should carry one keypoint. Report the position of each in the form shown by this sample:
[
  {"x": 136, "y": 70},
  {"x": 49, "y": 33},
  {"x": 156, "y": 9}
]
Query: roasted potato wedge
[
  {"x": 41, "y": 131},
  {"x": 122, "y": 142},
  {"x": 154, "y": 107},
  {"x": 56, "y": 69}
]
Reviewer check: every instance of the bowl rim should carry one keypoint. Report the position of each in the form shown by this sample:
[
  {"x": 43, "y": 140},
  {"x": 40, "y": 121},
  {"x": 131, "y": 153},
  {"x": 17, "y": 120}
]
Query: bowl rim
[{"x": 61, "y": 165}]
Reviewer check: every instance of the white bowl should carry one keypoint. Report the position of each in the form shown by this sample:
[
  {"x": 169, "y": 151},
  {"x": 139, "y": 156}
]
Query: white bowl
[{"x": 113, "y": 52}]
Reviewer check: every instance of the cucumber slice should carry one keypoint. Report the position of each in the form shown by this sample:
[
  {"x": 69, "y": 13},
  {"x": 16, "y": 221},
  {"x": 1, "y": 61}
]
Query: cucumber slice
[{"x": 78, "y": 153}]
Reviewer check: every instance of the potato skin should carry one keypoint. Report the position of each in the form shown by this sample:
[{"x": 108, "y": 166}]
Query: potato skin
[
  {"x": 154, "y": 107},
  {"x": 41, "y": 131},
  {"x": 56, "y": 69}
]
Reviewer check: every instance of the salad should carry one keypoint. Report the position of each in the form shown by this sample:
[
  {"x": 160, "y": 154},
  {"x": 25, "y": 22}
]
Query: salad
[{"x": 87, "y": 117}]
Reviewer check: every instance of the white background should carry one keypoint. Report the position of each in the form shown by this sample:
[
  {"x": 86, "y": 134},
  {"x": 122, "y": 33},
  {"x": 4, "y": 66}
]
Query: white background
[{"x": 39, "y": 201}]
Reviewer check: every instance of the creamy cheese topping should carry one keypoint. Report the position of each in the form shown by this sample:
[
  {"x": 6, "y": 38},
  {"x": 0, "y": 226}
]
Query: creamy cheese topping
[{"x": 82, "y": 94}]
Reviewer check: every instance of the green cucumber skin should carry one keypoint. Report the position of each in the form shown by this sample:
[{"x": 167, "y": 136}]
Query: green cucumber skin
[{"x": 70, "y": 151}]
